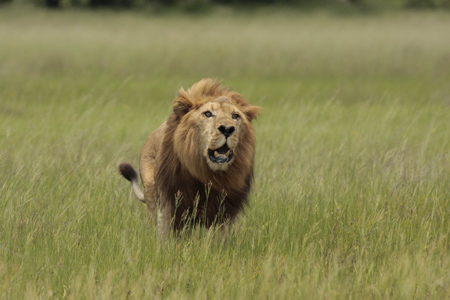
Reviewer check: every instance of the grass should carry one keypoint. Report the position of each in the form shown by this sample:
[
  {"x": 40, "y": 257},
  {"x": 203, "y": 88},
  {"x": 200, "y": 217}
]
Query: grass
[{"x": 352, "y": 169}]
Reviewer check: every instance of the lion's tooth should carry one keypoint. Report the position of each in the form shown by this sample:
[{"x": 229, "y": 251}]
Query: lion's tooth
[
  {"x": 216, "y": 153},
  {"x": 228, "y": 153}
]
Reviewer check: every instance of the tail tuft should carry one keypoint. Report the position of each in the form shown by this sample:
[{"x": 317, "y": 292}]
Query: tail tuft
[
  {"x": 127, "y": 171},
  {"x": 130, "y": 174}
]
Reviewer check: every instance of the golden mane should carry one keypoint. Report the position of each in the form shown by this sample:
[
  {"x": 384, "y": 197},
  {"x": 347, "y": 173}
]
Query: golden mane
[{"x": 208, "y": 89}]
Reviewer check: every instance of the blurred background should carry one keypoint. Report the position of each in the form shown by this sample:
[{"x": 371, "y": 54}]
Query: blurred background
[
  {"x": 197, "y": 5},
  {"x": 350, "y": 199}
]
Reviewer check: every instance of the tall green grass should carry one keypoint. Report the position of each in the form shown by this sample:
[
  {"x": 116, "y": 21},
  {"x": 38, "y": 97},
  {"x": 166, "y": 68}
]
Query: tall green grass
[{"x": 352, "y": 169}]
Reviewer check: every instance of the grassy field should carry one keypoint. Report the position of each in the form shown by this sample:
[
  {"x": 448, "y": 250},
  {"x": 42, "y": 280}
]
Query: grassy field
[{"x": 352, "y": 180}]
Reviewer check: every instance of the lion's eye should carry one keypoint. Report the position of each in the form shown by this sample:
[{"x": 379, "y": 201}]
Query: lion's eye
[
  {"x": 235, "y": 116},
  {"x": 208, "y": 114}
]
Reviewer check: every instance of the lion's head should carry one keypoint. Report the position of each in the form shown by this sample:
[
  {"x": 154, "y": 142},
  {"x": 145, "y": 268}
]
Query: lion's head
[{"x": 214, "y": 134}]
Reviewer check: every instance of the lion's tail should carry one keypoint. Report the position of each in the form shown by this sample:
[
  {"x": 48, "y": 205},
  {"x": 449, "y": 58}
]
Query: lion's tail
[{"x": 130, "y": 174}]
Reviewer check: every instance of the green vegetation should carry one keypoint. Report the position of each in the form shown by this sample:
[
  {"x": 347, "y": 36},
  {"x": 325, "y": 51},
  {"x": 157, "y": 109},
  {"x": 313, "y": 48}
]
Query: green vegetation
[{"x": 351, "y": 195}]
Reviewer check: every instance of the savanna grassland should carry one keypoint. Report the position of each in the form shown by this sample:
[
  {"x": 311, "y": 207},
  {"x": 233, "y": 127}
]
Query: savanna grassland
[{"x": 352, "y": 179}]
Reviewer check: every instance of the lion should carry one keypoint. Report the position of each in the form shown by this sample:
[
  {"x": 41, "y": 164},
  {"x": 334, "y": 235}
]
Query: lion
[{"x": 197, "y": 167}]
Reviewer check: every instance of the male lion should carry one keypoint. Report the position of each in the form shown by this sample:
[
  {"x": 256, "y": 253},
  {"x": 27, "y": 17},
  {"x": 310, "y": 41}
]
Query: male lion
[{"x": 198, "y": 165}]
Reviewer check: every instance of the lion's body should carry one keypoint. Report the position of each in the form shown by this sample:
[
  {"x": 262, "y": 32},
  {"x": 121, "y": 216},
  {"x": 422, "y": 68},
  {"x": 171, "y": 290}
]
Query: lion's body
[{"x": 198, "y": 165}]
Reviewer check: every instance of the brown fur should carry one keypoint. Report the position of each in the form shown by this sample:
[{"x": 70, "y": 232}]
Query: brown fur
[{"x": 175, "y": 164}]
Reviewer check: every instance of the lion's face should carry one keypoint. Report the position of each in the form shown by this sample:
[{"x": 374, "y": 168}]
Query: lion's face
[
  {"x": 214, "y": 130},
  {"x": 219, "y": 126}
]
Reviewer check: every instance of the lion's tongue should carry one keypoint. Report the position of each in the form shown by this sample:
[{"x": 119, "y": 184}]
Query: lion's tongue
[{"x": 222, "y": 151}]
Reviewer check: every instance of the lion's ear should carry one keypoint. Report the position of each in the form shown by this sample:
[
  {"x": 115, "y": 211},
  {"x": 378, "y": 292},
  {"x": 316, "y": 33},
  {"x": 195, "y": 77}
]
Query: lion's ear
[
  {"x": 251, "y": 111},
  {"x": 182, "y": 104}
]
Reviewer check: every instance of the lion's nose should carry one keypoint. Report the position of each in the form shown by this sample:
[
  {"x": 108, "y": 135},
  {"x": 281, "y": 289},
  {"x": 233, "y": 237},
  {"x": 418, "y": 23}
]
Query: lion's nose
[{"x": 226, "y": 131}]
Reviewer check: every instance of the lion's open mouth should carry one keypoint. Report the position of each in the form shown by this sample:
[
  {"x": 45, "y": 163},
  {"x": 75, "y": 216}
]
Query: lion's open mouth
[{"x": 220, "y": 155}]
